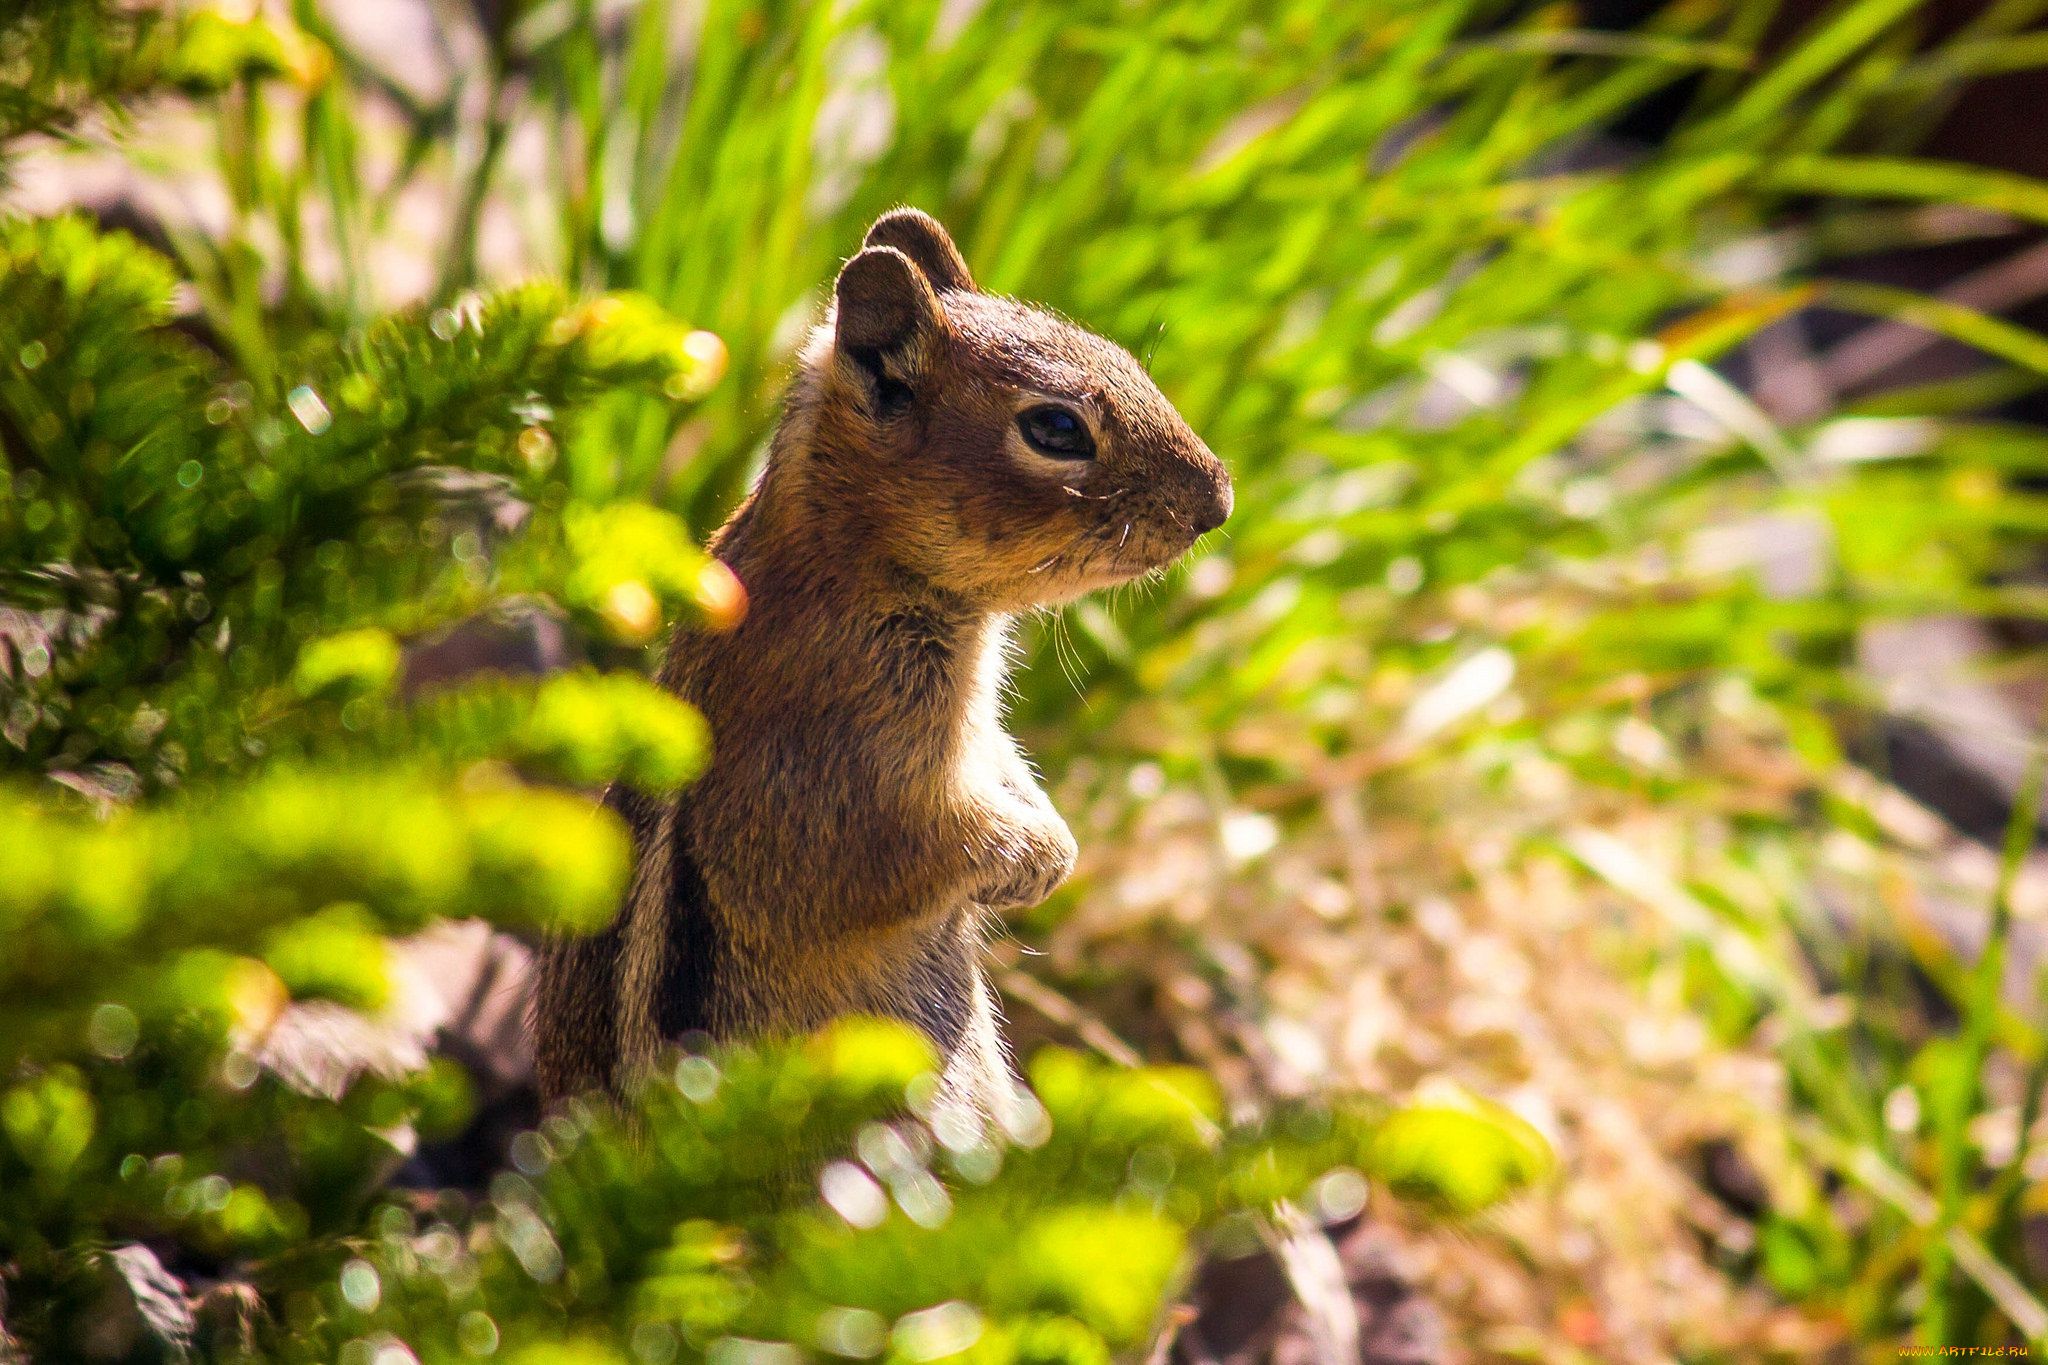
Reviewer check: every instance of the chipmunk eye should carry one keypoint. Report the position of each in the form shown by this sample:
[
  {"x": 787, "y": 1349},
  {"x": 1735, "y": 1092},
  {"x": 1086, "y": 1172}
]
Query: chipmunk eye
[{"x": 1056, "y": 431}]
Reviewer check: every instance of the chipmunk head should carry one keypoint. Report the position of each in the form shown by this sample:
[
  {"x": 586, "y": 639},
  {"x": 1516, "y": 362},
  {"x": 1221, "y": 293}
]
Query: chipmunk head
[{"x": 994, "y": 449}]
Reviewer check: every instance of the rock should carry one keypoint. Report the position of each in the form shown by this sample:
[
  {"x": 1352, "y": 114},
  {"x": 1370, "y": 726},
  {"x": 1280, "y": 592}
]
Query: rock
[
  {"x": 143, "y": 1313},
  {"x": 460, "y": 988},
  {"x": 515, "y": 641},
  {"x": 1249, "y": 1313}
]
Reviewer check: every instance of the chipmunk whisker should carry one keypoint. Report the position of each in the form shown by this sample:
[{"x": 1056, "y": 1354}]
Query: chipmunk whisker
[{"x": 1042, "y": 565}]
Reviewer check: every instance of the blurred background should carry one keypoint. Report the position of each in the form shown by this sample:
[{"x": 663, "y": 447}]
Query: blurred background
[{"x": 1614, "y": 708}]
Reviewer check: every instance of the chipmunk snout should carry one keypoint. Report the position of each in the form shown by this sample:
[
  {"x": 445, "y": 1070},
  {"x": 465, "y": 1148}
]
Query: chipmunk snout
[
  {"x": 1217, "y": 510},
  {"x": 1208, "y": 499}
]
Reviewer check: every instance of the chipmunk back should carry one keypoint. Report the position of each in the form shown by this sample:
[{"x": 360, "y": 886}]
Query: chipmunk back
[{"x": 947, "y": 459}]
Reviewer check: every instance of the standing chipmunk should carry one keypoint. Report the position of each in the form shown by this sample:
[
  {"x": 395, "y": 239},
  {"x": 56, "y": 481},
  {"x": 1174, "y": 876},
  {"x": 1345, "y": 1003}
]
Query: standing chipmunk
[{"x": 946, "y": 459}]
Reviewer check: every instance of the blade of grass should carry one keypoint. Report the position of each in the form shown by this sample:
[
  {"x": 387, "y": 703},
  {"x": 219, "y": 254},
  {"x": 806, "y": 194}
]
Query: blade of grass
[
  {"x": 1967, "y": 61},
  {"x": 1994, "y": 336},
  {"x": 1912, "y": 178},
  {"x": 1832, "y": 41},
  {"x": 1867, "y": 1168},
  {"x": 1980, "y": 1018},
  {"x": 458, "y": 268},
  {"x": 1596, "y": 43}
]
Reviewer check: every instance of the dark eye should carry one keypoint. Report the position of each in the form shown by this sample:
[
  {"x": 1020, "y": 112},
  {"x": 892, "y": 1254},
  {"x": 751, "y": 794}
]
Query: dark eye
[{"x": 1056, "y": 431}]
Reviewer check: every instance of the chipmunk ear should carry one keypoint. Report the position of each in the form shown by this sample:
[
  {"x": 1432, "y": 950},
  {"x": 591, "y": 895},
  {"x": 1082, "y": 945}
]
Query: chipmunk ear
[
  {"x": 918, "y": 235},
  {"x": 886, "y": 318}
]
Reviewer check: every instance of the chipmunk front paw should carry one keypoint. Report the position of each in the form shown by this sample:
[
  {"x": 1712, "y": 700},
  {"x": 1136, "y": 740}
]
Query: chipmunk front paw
[{"x": 1031, "y": 864}]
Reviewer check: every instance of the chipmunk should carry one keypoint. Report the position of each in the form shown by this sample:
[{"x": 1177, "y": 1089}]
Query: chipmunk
[{"x": 946, "y": 459}]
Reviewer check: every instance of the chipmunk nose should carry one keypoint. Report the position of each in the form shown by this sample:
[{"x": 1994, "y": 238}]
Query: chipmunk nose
[{"x": 1217, "y": 510}]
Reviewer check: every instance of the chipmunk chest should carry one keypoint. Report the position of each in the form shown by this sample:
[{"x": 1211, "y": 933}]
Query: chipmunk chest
[{"x": 924, "y": 974}]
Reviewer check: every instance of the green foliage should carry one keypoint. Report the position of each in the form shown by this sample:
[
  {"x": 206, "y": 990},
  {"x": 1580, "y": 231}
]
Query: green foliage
[
  {"x": 59, "y": 57},
  {"x": 162, "y": 510},
  {"x": 1465, "y": 1155},
  {"x": 365, "y": 660},
  {"x": 215, "y": 564},
  {"x": 214, "y": 53},
  {"x": 936, "y": 1242},
  {"x": 1389, "y": 261},
  {"x": 334, "y": 954}
]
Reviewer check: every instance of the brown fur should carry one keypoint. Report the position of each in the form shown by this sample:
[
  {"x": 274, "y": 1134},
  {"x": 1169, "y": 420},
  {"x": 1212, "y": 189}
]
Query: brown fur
[{"x": 865, "y": 807}]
